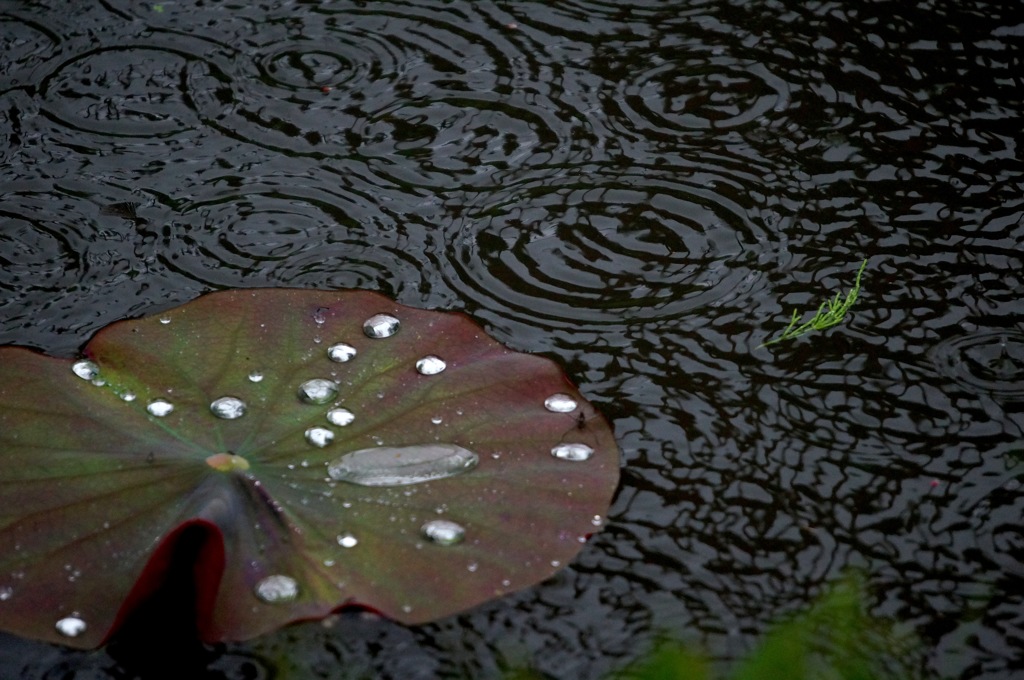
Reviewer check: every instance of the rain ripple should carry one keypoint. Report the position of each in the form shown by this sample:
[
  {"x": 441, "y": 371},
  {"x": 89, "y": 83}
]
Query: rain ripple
[
  {"x": 605, "y": 250},
  {"x": 987, "y": 362}
]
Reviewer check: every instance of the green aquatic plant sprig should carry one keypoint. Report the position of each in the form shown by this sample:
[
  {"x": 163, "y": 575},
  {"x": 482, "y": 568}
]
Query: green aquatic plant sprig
[{"x": 830, "y": 313}]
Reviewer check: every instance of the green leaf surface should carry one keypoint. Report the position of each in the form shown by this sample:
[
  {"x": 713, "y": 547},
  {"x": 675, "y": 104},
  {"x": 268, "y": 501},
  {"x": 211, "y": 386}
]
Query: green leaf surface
[{"x": 95, "y": 489}]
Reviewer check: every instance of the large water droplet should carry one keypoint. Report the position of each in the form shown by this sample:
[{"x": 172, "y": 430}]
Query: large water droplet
[
  {"x": 572, "y": 452},
  {"x": 401, "y": 465},
  {"x": 347, "y": 541},
  {"x": 277, "y": 588},
  {"x": 318, "y": 391},
  {"x": 431, "y": 365},
  {"x": 381, "y": 326},
  {"x": 560, "y": 403},
  {"x": 341, "y": 352},
  {"x": 319, "y": 436},
  {"x": 340, "y": 417},
  {"x": 85, "y": 369},
  {"x": 71, "y": 626},
  {"x": 159, "y": 408},
  {"x": 444, "y": 532},
  {"x": 228, "y": 408}
]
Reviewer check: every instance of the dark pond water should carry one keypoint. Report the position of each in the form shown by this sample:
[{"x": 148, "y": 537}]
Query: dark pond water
[{"x": 641, "y": 191}]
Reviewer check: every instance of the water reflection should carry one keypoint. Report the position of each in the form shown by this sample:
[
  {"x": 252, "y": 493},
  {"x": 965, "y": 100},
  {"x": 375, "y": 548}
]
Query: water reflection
[{"x": 643, "y": 191}]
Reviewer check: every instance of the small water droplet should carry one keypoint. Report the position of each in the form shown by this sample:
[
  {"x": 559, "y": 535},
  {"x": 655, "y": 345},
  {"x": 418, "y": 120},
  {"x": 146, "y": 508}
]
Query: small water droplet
[
  {"x": 319, "y": 317},
  {"x": 573, "y": 452},
  {"x": 159, "y": 408},
  {"x": 596, "y": 521},
  {"x": 555, "y": 563},
  {"x": 328, "y": 563},
  {"x": 341, "y": 352},
  {"x": 401, "y": 465},
  {"x": 127, "y": 396},
  {"x": 6, "y": 593},
  {"x": 255, "y": 376},
  {"x": 277, "y": 588},
  {"x": 165, "y": 320},
  {"x": 443, "y": 532},
  {"x": 85, "y": 369},
  {"x": 381, "y": 326},
  {"x": 228, "y": 408},
  {"x": 340, "y": 417},
  {"x": 319, "y": 437},
  {"x": 472, "y": 566},
  {"x": 71, "y": 626},
  {"x": 406, "y": 608},
  {"x": 347, "y": 541},
  {"x": 437, "y": 420},
  {"x": 318, "y": 391},
  {"x": 560, "y": 403},
  {"x": 430, "y": 365}
]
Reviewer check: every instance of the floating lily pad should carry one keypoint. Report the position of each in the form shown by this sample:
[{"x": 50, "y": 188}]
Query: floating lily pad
[{"x": 336, "y": 447}]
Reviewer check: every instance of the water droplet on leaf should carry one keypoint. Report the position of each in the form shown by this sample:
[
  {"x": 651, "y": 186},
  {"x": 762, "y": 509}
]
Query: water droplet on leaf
[
  {"x": 574, "y": 452},
  {"x": 228, "y": 408},
  {"x": 85, "y": 369},
  {"x": 443, "y": 532},
  {"x": 319, "y": 436},
  {"x": 71, "y": 626},
  {"x": 277, "y": 588},
  {"x": 401, "y": 465},
  {"x": 318, "y": 391},
  {"x": 127, "y": 396},
  {"x": 381, "y": 326},
  {"x": 347, "y": 541},
  {"x": 159, "y": 408},
  {"x": 430, "y": 365},
  {"x": 560, "y": 403},
  {"x": 340, "y": 417},
  {"x": 255, "y": 376},
  {"x": 165, "y": 320},
  {"x": 341, "y": 352}
]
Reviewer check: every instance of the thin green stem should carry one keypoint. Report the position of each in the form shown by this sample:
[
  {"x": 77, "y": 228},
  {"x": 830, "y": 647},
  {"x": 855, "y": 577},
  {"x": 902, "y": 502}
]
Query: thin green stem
[{"x": 830, "y": 313}]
